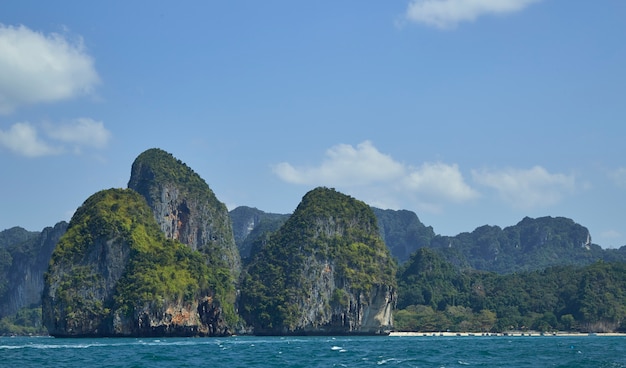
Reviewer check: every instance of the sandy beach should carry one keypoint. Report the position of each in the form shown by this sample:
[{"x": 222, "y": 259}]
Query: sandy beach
[{"x": 512, "y": 333}]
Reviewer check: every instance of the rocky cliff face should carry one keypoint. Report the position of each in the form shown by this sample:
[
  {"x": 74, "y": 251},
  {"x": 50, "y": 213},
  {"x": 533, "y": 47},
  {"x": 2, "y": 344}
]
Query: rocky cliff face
[
  {"x": 29, "y": 262},
  {"x": 252, "y": 227},
  {"x": 185, "y": 208},
  {"x": 325, "y": 271},
  {"x": 333, "y": 307},
  {"x": 114, "y": 274},
  {"x": 403, "y": 232}
]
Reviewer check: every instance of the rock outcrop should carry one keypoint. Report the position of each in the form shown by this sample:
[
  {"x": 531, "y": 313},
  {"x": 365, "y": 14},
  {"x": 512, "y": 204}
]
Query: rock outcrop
[
  {"x": 252, "y": 227},
  {"x": 403, "y": 232},
  {"x": 325, "y": 271},
  {"x": 23, "y": 275},
  {"x": 114, "y": 273},
  {"x": 185, "y": 208}
]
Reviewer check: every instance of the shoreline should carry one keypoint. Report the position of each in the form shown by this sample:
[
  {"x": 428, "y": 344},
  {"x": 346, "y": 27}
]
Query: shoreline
[
  {"x": 505, "y": 334},
  {"x": 422, "y": 334}
]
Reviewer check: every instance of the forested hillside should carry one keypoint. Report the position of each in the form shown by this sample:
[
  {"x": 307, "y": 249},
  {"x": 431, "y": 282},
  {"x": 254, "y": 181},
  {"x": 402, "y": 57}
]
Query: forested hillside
[{"x": 436, "y": 296}]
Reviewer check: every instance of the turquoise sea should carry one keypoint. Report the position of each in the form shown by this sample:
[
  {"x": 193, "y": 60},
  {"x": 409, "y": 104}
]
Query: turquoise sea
[{"x": 247, "y": 351}]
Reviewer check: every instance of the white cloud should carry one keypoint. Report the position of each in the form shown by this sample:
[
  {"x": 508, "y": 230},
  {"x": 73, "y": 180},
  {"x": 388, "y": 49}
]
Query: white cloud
[
  {"x": 25, "y": 140},
  {"x": 379, "y": 180},
  {"x": 36, "y": 68},
  {"x": 440, "y": 180},
  {"x": 446, "y": 14},
  {"x": 81, "y": 132},
  {"x": 525, "y": 189},
  {"x": 345, "y": 165}
]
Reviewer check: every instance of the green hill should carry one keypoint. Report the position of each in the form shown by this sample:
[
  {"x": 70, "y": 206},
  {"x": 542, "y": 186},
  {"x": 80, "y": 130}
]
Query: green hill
[
  {"x": 325, "y": 271},
  {"x": 436, "y": 296},
  {"x": 114, "y": 273}
]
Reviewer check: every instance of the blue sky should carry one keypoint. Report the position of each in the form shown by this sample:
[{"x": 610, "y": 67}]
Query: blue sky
[{"x": 467, "y": 112}]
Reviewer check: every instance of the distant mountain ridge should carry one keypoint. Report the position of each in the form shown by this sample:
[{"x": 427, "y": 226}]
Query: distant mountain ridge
[
  {"x": 15, "y": 235},
  {"x": 531, "y": 244}
]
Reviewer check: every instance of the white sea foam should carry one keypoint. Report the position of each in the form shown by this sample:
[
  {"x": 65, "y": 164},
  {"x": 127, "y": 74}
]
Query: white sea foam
[
  {"x": 44, "y": 346},
  {"x": 10, "y": 347},
  {"x": 390, "y": 360}
]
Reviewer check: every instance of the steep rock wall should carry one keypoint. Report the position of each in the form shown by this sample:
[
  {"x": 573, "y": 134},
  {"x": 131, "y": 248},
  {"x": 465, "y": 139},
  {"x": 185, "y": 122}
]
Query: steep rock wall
[
  {"x": 25, "y": 280},
  {"x": 185, "y": 208},
  {"x": 79, "y": 292},
  {"x": 173, "y": 318},
  {"x": 114, "y": 274},
  {"x": 332, "y": 307}
]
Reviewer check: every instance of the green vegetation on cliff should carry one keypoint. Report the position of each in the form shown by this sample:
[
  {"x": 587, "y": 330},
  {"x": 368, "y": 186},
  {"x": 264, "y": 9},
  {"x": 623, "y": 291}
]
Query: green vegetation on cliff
[
  {"x": 150, "y": 269},
  {"x": 156, "y": 167},
  {"x": 119, "y": 212},
  {"x": 327, "y": 228}
]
